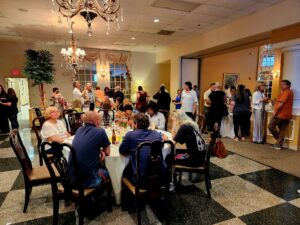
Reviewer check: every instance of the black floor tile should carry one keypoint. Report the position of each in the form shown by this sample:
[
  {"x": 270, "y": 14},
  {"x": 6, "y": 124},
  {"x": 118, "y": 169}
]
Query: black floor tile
[
  {"x": 278, "y": 183},
  {"x": 63, "y": 219},
  {"x": 5, "y": 144},
  {"x": 7, "y": 164},
  {"x": 192, "y": 206},
  {"x": 2, "y": 197},
  {"x": 19, "y": 182},
  {"x": 216, "y": 172},
  {"x": 277, "y": 215}
]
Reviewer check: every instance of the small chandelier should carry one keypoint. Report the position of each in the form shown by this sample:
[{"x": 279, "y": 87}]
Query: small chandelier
[
  {"x": 108, "y": 10},
  {"x": 73, "y": 56}
]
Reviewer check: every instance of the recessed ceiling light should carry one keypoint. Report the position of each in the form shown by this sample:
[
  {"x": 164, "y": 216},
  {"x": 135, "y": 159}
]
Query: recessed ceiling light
[
  {"x": 156, "y": 20},
  {"x": 133, "y": 38}
]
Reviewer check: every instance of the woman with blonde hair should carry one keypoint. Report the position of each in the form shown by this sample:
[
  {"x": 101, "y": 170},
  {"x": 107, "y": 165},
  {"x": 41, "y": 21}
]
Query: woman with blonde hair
[
  {"x": 53, "y": 130},
  {"x": 258, "y": 105},
  {"x": 186, "y": 131}
]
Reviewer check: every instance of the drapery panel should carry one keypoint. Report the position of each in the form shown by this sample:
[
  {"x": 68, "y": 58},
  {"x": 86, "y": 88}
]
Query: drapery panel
[{"x": 104, "y": 57}]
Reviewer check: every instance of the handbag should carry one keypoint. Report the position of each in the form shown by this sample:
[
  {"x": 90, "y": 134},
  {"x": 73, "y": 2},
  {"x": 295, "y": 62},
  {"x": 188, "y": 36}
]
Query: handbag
[{"x": 219, "y": 149}]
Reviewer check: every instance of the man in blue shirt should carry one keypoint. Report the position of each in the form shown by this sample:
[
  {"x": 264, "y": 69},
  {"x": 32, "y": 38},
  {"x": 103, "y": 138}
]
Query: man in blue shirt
[
  {"x": 133, "y": 139},
  {"x": 91, "y": 145}
]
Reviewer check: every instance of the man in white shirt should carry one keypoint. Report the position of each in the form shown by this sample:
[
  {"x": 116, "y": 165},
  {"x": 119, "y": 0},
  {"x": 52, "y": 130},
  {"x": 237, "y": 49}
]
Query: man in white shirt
[
  {"x": 207, "y": 104},
  {"x": 157, "y": 119},
  {"x": 77, "y": 94},
  {"x": 189, "y": 100}
]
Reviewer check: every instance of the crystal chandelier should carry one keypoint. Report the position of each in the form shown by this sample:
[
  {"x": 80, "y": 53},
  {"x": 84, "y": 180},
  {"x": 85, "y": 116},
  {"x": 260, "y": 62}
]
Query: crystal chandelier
[
  {"x": 108, "y": 10},
  {"x": 73, "y": 56}
]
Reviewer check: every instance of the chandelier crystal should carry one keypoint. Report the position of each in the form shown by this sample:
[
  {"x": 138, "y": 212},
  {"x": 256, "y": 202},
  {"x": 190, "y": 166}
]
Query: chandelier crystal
[
  {"x": 73, "y": 56},
  {"x": 108, "y": 10}
]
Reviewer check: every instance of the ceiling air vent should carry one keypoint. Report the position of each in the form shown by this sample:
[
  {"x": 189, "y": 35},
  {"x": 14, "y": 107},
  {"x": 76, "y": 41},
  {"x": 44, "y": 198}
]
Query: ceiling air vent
[
  {"x": 165, "y": 32},
  {"x": 177, "y": 5}
]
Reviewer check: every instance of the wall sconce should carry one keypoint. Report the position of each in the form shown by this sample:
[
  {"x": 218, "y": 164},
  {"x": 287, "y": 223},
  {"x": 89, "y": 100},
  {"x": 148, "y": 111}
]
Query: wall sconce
[{"x": 276, "y": 73}]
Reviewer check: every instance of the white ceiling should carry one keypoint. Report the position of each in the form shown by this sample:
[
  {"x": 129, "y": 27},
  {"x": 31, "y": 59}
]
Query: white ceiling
[{"x": 33, "y": 20}]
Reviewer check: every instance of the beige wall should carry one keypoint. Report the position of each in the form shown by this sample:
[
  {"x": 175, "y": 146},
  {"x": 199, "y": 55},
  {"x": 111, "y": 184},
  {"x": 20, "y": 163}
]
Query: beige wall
[
  {"x": 144, "y": 72},
  {"x": 143, "y": 69},
  {"x": 243, "y": 62},
  {"x": 164, "y": 72},
  {"x": 277, "y": 16}
]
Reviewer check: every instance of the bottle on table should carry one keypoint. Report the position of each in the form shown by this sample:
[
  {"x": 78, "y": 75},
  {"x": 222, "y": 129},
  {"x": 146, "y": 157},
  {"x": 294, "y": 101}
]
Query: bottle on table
[{"x": 113, "y": 137}]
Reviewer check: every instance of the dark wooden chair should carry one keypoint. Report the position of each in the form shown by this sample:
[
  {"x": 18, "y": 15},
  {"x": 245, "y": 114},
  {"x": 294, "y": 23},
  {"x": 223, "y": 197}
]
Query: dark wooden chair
[
  {"x": 74, "y": 121},
  {"x": 108, "y": 116},
  {"x": 201, "y": 122},
  {"x": 32, "y": 176},
  {"x": 154, "y": 184},
  {"x": 64, "y": 115},
  {"x": 179, "y": 169},
  {"x": 166, "y": 115},
  {"x": 37, "y": 130},
  {"x": 38, "y": 112},
  {"x": 63, "y": 189}
]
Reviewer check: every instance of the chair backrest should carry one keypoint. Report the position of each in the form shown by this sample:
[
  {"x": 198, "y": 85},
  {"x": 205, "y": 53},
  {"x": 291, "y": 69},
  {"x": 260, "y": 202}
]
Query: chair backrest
[
  {"x": 37, "y": 130},
  {"x": 38, "y": 112},
  {"x": 108, "y": 116},
  {"x": 65, "y": 113},
  {"x": 75, "y": 122},
  {"x": 166, "y": 115},
  {"x": 159, "y": 169},
  {"x": 79, "y": 179},
  {"x": 61, "y": 165},
  {"x": 21, "y": 153},
  {"x": 214, "y": 135},
  {"x": 200, "y": 121}
]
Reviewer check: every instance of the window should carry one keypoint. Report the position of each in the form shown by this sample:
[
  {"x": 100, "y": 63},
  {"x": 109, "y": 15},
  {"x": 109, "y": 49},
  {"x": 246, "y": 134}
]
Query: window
[
  {"x": 118, "y": 77},
  {"x": 88, "y": 74},
  {"x": 268, "y": 61}
]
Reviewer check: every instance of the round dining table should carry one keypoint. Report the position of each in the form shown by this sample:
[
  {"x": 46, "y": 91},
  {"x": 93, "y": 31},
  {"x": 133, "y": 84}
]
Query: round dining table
[{"x": 116, "y": 162}]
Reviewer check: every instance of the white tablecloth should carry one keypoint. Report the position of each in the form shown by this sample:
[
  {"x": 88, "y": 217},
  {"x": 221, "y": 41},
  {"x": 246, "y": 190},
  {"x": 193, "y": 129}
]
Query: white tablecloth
[
  {"x": 116, "y": 163},
  {"x": 227, "y": 129}
]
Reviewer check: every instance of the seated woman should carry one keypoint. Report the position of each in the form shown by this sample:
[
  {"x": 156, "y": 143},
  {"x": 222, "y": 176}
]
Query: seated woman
[
  {"x": 157, "y": 119},
  {"x": 53, "y": 130},
  {"x": 77, "y": 105},
  {"x": 187, "y": 132},
  {"x": 118, "y": 106}
]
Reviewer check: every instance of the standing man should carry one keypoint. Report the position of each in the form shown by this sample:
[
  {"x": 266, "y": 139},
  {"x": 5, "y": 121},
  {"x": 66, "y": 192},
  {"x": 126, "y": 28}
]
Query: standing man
[
  {"x": 207, "y": 105},
  {"x": 89, "y": 96},
  {"x": 118, "y": 93},
  {"x": 283, "y": 109},
  {"x": 189, "y": 100},
  {"x": 77, "y": 94},
  {"x": 163, "y": 99}
]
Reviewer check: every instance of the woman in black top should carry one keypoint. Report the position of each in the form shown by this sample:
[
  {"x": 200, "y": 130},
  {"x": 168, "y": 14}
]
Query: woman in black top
[
  {"x": 11, "y": 108},
  {"x": 4, "y": 126},
  {"x": 186, "y": 131},
  {"x": 241, "y": 111}
]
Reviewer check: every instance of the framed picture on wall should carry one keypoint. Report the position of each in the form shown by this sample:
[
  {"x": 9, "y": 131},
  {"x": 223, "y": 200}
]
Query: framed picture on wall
[{"x": 231, "y": 79}]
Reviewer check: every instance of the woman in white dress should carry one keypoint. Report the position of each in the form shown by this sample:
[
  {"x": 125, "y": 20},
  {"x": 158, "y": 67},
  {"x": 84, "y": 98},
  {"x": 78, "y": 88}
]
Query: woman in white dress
[{"x": 258, "y": 105}]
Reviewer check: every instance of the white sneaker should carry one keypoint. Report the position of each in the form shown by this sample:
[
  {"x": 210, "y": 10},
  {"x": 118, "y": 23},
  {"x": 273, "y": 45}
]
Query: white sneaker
[
  {"x": 298, "y": 191},
  {"x": 171, "y": 187}
]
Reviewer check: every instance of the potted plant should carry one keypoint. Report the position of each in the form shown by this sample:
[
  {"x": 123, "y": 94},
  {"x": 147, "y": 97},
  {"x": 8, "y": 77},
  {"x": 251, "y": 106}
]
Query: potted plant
[{"x": 39, "y": 67}]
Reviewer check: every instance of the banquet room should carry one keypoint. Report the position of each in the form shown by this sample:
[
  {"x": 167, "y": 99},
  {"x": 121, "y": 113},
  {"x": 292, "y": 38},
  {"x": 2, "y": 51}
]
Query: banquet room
[{"x": 124, "y": 112}]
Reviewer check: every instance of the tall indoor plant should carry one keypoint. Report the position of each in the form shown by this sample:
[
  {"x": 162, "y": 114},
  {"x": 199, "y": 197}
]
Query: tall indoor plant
[{"x": 39, "y": 67}]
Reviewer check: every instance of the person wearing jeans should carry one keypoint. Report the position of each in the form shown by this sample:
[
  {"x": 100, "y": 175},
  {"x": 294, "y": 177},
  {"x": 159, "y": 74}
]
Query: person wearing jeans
[
  {"x": 241, "y": 111},
  {"x": 283, "y": 109}
]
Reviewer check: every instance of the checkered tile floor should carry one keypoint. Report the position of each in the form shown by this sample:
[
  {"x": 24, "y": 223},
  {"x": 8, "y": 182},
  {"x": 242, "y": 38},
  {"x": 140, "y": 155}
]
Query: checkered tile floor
[{"x": 243, "y": 192}]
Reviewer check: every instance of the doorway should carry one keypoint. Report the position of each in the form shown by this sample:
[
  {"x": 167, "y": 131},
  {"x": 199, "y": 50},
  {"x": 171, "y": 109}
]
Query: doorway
[{"x": 20, "y": 85}]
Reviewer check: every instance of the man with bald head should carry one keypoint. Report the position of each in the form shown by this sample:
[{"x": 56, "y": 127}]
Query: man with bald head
[{"x": 91, "y": 145}]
